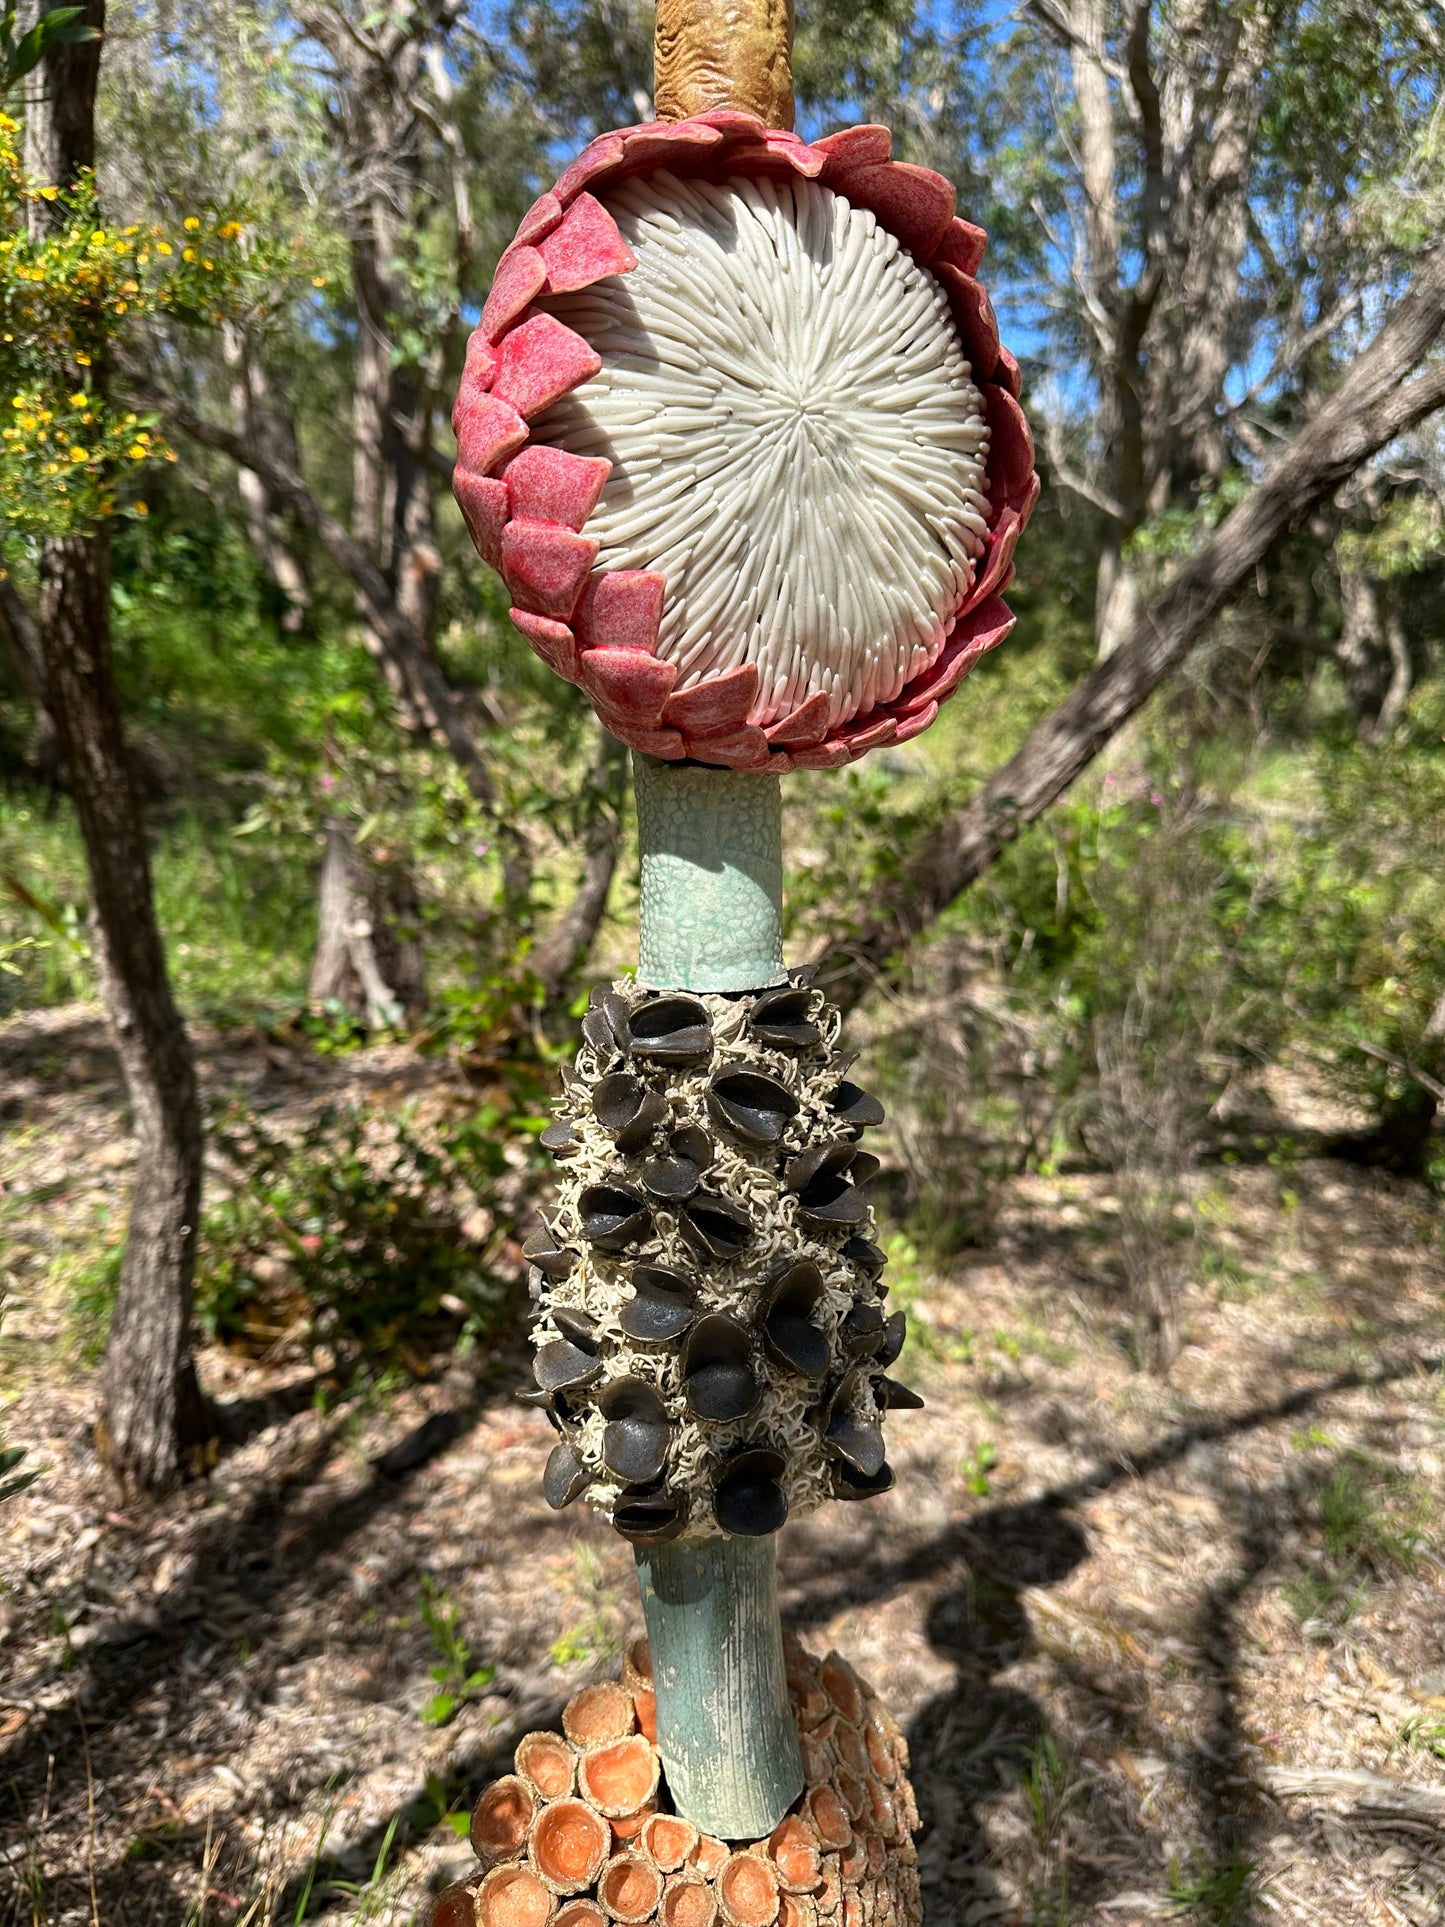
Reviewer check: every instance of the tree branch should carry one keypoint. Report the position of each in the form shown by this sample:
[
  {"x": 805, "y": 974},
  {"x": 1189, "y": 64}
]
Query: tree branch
[
  {"x": 565, "y": 947},
  {"x": 1374, "y": 402},
  {"x": 420, "y": 672}
]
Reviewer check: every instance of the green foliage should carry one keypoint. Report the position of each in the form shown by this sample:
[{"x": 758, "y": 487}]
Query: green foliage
[
  {"x": 59, "y": 27},
  {"x": 458, "y": 1681},
  {"x": 1216, "y": 1892},
  {"x": 360, "y": 1238}
]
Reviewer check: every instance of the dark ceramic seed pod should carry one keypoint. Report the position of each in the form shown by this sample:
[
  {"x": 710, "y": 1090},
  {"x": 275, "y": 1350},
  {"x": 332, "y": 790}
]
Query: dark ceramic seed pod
[
  {"x": 861, "y": 1331},
  {"x": 599, "y": 1034},
  {"x": 615, "y": 1009},
  {"x": 786, "y": 1319},
  {"x": 818, "y": 1161},
  {"x": 662, "y": 1307},
  {"x": 718, "y": 1378},
  {"x": 558, "y": 1138},
  {"x": 714, "y": 1226},
  {"x": 649, "y": 1520},
  {"x": 780, "y": 1018},
  {"x": 566, "y": 1477},
  {"x": 749, "y": 1498},
  {"x": 548, "y": 1256},
  {"x": 866, "y": 1255},
  {"x": 853, "y": 1105},
  {"x": 613, "y": 1216},
  {"x": 751, "y": 1106},
  {"x": 579, "y": 1326},
  {"x": 670, "y": 1179},
  {"x": 692, "y": 1142},
  {"x": 857, "y": 1441},
  {"x": 830, "y": 1203},
  {"x": 672, "y": 1031},
  {"x": 638, "y": 1431},
  {"x": 890, "y": 1396},
  {"x": 627, "y": 1110},
  {"x": 849, "y": 1483},
  {"x": 561, "y": 1366},
  {"x": 895, "y": 1332},
  {"x": 863, "y": 1168}
]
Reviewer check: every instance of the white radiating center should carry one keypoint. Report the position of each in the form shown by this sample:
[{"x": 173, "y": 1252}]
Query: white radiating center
[{"x": 795, "y": 440}]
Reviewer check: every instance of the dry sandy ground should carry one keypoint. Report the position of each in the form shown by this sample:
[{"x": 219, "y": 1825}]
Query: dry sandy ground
[{"x": 1163, "y": 1651}]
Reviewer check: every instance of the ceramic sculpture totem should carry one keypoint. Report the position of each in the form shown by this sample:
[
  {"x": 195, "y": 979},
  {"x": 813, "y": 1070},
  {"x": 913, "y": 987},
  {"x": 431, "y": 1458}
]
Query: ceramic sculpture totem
[{"x": 737, "y": 431}]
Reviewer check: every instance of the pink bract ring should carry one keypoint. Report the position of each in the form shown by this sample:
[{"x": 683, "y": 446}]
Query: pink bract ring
[{"x": 737, "y": 431}]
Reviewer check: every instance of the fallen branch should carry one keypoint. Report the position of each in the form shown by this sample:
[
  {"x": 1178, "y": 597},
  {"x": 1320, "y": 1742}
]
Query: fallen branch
[
  {"x": 1370, "y": 1792},
  {"x": 1375, "y": 401}
]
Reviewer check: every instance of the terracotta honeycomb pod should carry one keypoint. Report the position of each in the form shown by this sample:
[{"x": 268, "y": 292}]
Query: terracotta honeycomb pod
[
  {"x": 711, "y": 1338},
  {"x": 608, "y": 1847}
]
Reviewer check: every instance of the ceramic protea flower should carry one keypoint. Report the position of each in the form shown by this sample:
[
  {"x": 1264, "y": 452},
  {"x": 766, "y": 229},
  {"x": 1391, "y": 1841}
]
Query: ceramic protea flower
[{"x": 737, "y": 431}]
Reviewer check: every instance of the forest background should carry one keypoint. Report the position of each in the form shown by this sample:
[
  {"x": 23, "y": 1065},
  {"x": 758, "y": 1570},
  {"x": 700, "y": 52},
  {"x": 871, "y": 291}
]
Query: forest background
[{"x": 281, "y": 790}]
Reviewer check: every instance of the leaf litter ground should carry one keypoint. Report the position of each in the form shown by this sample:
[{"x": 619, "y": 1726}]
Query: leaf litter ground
[{"x": 1163, "y": 1651}]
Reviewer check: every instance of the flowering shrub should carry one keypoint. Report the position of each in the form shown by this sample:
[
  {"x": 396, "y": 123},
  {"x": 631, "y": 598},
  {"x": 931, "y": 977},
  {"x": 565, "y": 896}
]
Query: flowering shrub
[{"x": 69, "y": 285}]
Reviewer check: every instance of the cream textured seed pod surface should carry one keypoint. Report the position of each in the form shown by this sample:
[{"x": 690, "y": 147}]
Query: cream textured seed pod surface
[
  {"x": 842, "y": 1856},
  {"x": 739, "y": 434}
]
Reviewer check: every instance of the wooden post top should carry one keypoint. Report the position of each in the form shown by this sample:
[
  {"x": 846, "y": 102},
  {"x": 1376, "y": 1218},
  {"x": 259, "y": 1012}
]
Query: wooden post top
[{"x": 724, "y": 53}]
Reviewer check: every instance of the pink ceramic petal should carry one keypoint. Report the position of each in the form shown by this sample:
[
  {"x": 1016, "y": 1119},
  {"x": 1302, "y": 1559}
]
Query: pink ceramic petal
[
  {"x": 715, "y": 707},
  {"x": 1035, "y": 488},
  {"x": 666, "y": 143},
  {"x": 759, "y": 160},
  {"x": 553, "y": 641},
  {"x": 867, "y": 145},
  {"x": 541, "y": 361},
  {"x": 733, "y": 123},
  {"x": 1007, "y": 374},
  {"x": 1010, "y": 452},
  {"x": 586, "y": 248},
  {"x": 913, "y": 726},
  {"x": 972, "y": 636},
  {"x": 745, "y": 748},
  {"x": 800, "y": 157},
  {"x": 962, "y": 246},
  {"x": 597, "y": 160},
  {"x": 1003, "y": 539},
  {"x": 912, "y": 202},
  {"x": 540, "y": 219},
  {"x": 621, "y": 609},
  {"x": 974, "y": 316},
  {"x": 549, "y": 485},
  {"x": 483, "y": 502},
  {"x": 806, "y": 726},
  {"x": 830, "y": 755},
  {"x": 666, "y": 744},
  {"x": 480, "y": 364},
  {"x": 628, "y": 685},
  {"x": 870, "y": 735},
  {"x": 545, "y": 567},
  {"x": 779, "y": 762},
  {"x": 521, "y": 274},
  {"x": 487, "y": 429}
]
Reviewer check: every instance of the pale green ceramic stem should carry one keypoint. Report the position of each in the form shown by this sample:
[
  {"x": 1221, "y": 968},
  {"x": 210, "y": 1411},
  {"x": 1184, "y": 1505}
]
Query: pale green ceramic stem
[
  {"x": 712, "y": 878},
  {"x": 712, "y": 890}
]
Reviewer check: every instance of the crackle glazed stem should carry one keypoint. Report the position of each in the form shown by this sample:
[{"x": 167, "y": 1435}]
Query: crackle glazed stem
[
  {"x": 712, "y": 886},
  {"x": 712, "y": 878},
  {"x": 724, "y": 53}
]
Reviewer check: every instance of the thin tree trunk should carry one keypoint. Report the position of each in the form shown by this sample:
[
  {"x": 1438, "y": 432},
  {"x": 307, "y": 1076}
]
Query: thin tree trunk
[
  {"x": 566, "y": 946},
  {"x": 23, "y": 638},
  {"x": 368, "y": 957},
  {"x": 152, "y": 1412},
  {"x": 1375, "y": 401}
]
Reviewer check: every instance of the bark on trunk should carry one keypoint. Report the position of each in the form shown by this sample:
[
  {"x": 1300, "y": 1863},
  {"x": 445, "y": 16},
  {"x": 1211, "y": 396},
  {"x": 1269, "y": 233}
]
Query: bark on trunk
[
  {"x": 259, "y": 421},
  {"x": 22, "y": 637},
  {"x": 1373, "y": 654},
  {"x": 1374, "y": 402},
  {"x": 368, "y": 953},
  {"x": 566, "y": 946},
  {"x": 152, "y": 1412}
]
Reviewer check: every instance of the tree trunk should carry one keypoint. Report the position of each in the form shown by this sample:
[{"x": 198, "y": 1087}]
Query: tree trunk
[
  {"x": 23, "y": 639},
  {"x": 259, "y": 422},
  {"x": 152, "y": 1412},
  {"x": 368, "y": 953},
  {"x": 566, "y": 946}
]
